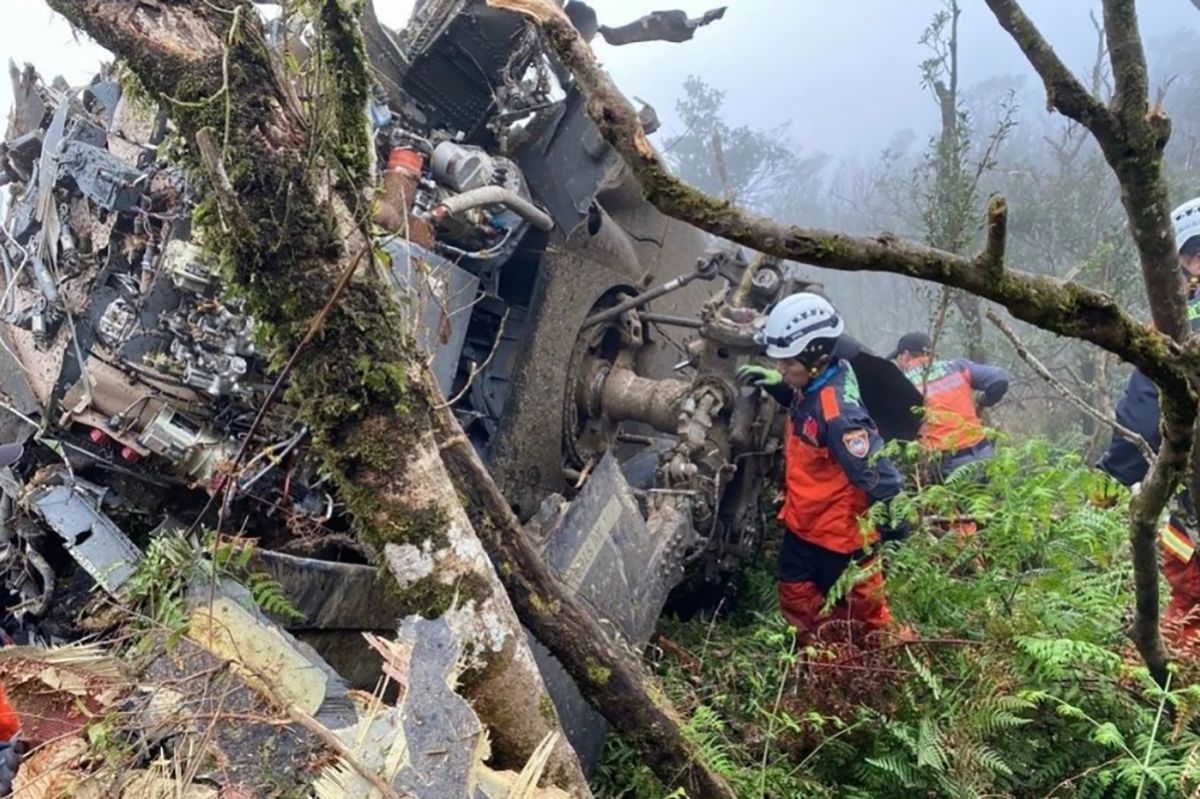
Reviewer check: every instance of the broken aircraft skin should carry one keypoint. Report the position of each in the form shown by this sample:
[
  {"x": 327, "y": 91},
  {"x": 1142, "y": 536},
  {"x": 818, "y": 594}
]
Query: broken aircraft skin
[{"x": 584, "y": 338}]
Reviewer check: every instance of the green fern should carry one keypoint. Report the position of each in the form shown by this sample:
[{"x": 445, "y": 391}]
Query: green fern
[{"x": 173, "y": 562}]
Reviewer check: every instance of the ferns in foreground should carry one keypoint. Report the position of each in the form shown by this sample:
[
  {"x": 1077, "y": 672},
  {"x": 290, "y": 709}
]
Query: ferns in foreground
[
  {"x": 1021, "y": 683},
  {"x": 174, "y": 562}
]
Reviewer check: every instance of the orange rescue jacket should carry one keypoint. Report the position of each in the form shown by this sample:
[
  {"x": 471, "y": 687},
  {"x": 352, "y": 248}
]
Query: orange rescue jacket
[
  {"x": 951, "y": 420},
  {"x": 830, "y": 475}
]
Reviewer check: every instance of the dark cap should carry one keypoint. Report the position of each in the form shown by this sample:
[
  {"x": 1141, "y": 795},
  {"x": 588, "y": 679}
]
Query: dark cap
[
  {"x": 10, "y": 454},
  {"x": 916, "y": 343}
]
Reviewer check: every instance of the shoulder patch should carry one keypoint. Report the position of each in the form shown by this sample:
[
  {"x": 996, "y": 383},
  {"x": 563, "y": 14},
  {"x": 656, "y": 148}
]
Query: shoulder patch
[{"x": 857, "y": 442}]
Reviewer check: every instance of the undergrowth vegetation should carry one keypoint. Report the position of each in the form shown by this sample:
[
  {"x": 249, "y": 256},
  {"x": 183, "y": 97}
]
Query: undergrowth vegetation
[
  {"x": 175, "y": 563},
  {"x": 1008, "y": 674}
]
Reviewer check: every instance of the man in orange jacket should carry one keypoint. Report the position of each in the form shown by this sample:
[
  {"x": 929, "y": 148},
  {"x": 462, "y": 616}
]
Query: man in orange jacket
[
  {"x": 952, "y": 433},
  {"x": 832, "y": 470}
]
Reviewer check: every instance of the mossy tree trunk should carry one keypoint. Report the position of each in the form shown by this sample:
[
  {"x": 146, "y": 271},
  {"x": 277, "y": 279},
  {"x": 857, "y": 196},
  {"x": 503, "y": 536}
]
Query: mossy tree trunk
[{"x": 287, "y": 215}]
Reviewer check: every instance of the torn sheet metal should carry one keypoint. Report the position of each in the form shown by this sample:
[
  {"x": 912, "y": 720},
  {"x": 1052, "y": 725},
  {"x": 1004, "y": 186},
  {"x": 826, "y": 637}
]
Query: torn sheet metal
[
  {"x": 46, "y": 208},
  {"x": 259, "y": 651},
  {"x": 431, "y": 743},
  {"x": 622, "y": 565},
  {"x": 444, "y": 737},
  {"x": 333, "y": 596},
  {"x": 605, "y": 553},
  {"x": 72, "y": 509},
  {"x": 231, "y": 627},
  {"x": 28, "y": 108}
]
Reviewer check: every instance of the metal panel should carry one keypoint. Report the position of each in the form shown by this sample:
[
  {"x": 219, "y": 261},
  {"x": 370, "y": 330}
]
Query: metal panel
[
  {"x": 100, "y": 176},
  {"x": 72, "y": 510},
  {"x": 619, "y": 564},
  {"x": 437, "y": 297},
  {"x": 333, "y": 596}
]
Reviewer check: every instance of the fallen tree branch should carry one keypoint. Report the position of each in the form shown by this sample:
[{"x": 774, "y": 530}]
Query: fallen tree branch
[
  {"x": 608, "y": 678},
  {"x": 1024, "y": 353}
]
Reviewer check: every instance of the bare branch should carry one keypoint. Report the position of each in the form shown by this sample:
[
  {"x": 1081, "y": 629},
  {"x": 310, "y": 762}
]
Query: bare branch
[
  {"x": 1024, "y": 353},
  {"x": 1064, "y": 92},
  {"x": 1131, "y": 136},
  {"x": 1143, "y": 538},
  {"x": 1130, "y": 76},
  {"x": 992, "y": 257}
]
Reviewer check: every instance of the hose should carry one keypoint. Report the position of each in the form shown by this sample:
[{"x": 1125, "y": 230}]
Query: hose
[{"x": 497, "y": 195}]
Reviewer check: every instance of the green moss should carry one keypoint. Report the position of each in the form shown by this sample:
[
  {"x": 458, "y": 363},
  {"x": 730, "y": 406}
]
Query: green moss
[
  {"x": 431, "y": 597},
  {"x": 546, "y": 709},
  {"x": 598, "y": 674},
  {"x": 345, "y": 57},
  {"x": 542, "y": 607}
]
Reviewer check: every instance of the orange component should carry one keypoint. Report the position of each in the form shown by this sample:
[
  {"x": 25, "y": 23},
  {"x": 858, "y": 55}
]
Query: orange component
[
  {"x": 405, "y": 158},
  {"x": 865, "y": 602},
  {"x": 10, "y": 722},
  {"x": 394, "y": 209}
]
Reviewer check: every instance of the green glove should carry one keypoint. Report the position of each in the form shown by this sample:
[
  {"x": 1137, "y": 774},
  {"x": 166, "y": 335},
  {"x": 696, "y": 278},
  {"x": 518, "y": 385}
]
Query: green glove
[{"x": 761, "y": 376}]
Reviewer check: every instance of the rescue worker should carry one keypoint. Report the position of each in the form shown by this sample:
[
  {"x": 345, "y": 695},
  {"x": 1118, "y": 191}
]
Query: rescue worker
[
  {"x": 1138, "y": 411},
  {"x": 831, "y": 473},
  {"x": 952, "y": 433}
]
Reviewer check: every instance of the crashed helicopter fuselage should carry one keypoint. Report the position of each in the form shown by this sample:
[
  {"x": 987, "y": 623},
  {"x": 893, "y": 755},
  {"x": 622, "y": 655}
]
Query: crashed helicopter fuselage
[{"x": 587, "y": 342}]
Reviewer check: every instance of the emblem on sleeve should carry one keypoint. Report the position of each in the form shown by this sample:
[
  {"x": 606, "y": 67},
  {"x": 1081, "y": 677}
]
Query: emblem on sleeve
[
  {"x": 858, "y": 442},
  {"x": 809, "y": 429}
]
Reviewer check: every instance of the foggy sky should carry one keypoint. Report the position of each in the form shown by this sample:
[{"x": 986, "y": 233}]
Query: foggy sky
[{"x": 844, "y": 72}]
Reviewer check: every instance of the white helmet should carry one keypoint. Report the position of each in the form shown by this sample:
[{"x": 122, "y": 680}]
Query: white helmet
[
  {"x": 798, "y": 322},
  {"x": 1187, "y": 222}
]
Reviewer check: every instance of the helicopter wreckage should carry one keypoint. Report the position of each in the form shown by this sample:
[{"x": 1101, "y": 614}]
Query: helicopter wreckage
[{"x": 587, "y": 345}]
